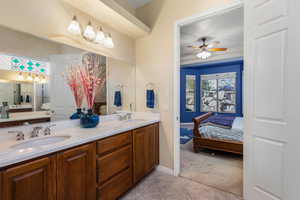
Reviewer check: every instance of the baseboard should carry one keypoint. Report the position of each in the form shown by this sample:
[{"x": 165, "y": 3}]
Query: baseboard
[
  {"x": 189, "y": 123},
  {"x": 165, "y": 170}
]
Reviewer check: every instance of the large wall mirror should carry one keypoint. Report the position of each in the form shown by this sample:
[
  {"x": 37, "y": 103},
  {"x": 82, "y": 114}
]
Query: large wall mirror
[{"x": 33, "y": 88}]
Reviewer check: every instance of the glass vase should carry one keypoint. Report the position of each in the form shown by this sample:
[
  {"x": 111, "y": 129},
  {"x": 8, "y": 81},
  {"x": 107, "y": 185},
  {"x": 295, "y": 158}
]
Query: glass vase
[
  {"x": 77, "y": 114},
  {"x": 89, "y": 119}
]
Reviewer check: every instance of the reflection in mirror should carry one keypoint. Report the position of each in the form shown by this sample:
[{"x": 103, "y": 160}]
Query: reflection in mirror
[{"x": 32, "y": 88}]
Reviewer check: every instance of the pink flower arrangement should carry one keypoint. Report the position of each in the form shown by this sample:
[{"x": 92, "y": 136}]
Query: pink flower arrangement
[
  {"x": 90, "y": 81},
  {"x": 72, "y": 77}
]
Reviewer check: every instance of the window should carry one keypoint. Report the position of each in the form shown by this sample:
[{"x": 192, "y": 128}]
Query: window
[
  {"x": 190, "y": 91},
  {"x": 218, "y": 92}
]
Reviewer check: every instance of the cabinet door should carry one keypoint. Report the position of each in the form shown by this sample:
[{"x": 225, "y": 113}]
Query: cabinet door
[
  {"x": 76, "y": 174},
  {"x": 34, "y": 180},
  {"x": 144, "y": 151}
]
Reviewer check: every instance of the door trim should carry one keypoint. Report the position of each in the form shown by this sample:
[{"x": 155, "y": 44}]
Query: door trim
[{"x": 176, "y": 72}]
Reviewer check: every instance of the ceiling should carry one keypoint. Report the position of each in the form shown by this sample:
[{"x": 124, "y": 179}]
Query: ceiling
[
  {"x": 226, "y": 28},
  {"x": 138, "y": 3}
]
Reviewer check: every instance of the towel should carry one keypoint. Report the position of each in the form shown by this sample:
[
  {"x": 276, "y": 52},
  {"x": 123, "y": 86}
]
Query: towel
[
  {"x": 150, "y": 99},
  {"x": 118, "y": 99},
  {"x": 27, "y": 99}
]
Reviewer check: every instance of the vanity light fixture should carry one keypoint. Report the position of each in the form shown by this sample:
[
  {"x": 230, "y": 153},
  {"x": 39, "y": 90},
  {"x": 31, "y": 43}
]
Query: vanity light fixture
[
  {"x": 74, "y": 27},
  {"x": 100, "y": 36},
  {"x": 89, "y": 34},
  {"x": 109, "y": 42},
  {"x": 36, "y": 78},
  {"x": 20, "y": 76},
  {"x": 29, "y": 77},
  {"x": 43, "y": 79}
]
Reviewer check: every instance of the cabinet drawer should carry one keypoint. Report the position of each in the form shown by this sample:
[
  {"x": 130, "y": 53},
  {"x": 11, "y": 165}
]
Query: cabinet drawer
[
  {"x": 113, "y": 163},
  {"x": 114, "y": 142},
  {"x": 115, "y": 187}
]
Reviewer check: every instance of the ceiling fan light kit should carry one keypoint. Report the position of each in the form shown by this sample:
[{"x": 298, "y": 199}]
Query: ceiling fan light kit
[
  {"x": 204, "y": 54},
  {"x": 89, "y": 34},
  {"x": 206, "y": 49}
]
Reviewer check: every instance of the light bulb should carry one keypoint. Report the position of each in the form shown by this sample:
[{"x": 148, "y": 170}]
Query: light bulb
[
  {"x": 74, "y": 27},
  {"x": 109, "y": 42},
  {"x": 37, "y": 78},
  {"x": 204, "y": 54},
  {"x": 43, "y": 79},
  {"x": 100, "y": 37},
  {"x": 89, "y": 32},
  {"x": 29, "y": 77},
  {"x": 20, "y": 76}
]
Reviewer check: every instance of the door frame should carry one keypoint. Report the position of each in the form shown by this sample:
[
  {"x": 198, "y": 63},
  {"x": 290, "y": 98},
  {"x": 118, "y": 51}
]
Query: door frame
[{"x": 176, "y": 72}]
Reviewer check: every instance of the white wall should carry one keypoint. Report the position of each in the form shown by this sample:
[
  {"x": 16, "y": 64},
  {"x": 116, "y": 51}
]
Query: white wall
[
  {"x": 120, "y": 73},
  {"x": 48, "y": 18},
  {"x": 6, "y": 90},
  {"x": 155, "y": 59}
]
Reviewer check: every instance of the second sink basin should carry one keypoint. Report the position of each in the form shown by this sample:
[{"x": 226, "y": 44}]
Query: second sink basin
[{"x": 42, "y": 141}]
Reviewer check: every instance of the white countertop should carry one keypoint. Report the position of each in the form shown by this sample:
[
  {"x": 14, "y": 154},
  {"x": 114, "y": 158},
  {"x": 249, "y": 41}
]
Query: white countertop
[
  {"x": 108, "y": 126},
  {"x": 19, "y": 116}
]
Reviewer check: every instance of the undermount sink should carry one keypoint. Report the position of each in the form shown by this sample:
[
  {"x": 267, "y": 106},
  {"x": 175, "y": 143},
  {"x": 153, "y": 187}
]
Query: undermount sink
[{"x": 42, "y": 141}]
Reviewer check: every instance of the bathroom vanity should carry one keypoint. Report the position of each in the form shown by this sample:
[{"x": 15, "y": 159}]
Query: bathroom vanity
[{"x": 100, "y": 163}]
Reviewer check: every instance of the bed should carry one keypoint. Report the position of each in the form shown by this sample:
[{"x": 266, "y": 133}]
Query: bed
[{"x": 218, "y": 138}]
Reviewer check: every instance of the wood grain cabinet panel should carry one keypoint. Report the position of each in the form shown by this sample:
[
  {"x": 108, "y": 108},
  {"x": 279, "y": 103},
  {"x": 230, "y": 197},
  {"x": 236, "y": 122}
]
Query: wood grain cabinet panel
[
  {"x": 145, "y": 152},
  {"x": 113, "y": 163},
  {"x": 35, "y": 180},
  {"x": 116, "y": 186},
  {"x": 76, "y": 174},
  {"x": 112, "y": 143}
]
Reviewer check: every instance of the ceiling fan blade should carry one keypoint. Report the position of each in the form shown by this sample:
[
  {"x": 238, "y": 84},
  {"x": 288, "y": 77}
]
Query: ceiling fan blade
[
  {"x": 213, "y": 44},
  {"x": 217, "y": 49},
  {"x": 194, "y": 47}
]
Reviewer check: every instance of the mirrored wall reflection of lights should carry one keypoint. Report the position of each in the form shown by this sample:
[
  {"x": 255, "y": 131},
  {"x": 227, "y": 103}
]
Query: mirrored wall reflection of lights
[
  {"x": 89, "y": 33},
  {"x": 38, "y": 78}
]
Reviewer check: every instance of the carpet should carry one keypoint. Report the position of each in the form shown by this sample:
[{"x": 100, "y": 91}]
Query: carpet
[
  {"x": 220, "y": 170},
  {"x": 186, "y": 135}
]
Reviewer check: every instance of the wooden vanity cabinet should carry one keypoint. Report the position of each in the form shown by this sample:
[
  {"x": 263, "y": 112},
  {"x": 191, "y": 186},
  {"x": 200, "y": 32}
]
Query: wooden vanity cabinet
[
  {"x": 145, "y": 151},
  {"x": 114, "y": 166},
  {"x": 76, "y": 173},
  {"x": 34, "y": 180},
  {"x": 102, "y": 170}
]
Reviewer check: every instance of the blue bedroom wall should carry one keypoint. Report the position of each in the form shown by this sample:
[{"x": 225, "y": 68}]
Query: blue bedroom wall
[{"x": 210, "y": 68}]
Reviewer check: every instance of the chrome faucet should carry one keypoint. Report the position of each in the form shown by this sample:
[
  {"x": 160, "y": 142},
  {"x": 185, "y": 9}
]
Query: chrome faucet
[
  {"x": 126, "y": 116},
  {"x": 35, "y": 132},
  {"x": 20, "y": 135},
  {"x": 47, "y": 130}
]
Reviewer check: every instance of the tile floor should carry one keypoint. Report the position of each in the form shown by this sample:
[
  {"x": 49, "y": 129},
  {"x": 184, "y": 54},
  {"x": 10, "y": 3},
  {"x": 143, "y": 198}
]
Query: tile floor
[{"x": 160, "y": 186}]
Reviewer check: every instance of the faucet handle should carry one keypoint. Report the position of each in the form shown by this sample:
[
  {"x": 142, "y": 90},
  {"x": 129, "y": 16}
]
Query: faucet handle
[
  {"x": 47, "y": 130},
  {"x": 20, "y": 134}
]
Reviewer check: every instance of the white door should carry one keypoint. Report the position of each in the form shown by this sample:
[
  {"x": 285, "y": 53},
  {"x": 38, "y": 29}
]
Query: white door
[
  {"x": 272, "y": 100},
  {"x": 61, "y": 98}
]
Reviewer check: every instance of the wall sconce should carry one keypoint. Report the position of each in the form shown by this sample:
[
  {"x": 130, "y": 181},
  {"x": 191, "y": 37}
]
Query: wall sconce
[{"x": 89, "y": 33}]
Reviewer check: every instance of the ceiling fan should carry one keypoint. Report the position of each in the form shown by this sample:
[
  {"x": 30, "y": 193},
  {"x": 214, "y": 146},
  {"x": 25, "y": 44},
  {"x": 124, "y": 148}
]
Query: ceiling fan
[{"x": 206, "y": 48}]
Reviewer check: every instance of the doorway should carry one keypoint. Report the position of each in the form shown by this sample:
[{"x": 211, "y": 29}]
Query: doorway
[{"x": 189, "y": 77}]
